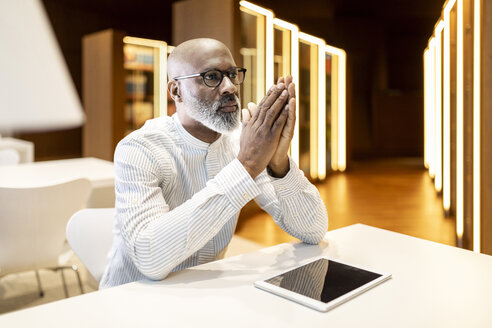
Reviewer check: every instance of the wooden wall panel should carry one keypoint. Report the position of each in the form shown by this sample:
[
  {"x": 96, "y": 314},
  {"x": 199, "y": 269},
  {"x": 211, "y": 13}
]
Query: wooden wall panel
[
  {"x": 103, "y": 93},
  {"x": 198, "y": 19},
  {"x": 486, "y": 128}
]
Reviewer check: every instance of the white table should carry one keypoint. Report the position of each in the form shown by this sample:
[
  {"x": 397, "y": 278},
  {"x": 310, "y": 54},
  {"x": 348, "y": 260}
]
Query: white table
[
  {"x": 433, "y": 285},
  {"x": 99, "y": 172},
  {"x": 24, "y": 148}
]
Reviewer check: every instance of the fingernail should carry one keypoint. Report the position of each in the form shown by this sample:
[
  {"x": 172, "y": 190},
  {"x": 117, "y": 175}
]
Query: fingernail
[
  {"x": 284, "y": 93},
  {"x": 280, "y": 86}
]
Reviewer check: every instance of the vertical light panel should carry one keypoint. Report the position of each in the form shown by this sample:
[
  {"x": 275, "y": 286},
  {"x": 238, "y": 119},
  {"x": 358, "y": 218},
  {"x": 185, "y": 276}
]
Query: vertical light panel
[
  {"x": 294, "y": 53},
  {"x": 432, "y": 104},
  {"x": 342, "y": 111},
  {"x": 446, "y": 174},
  {"x": 295, "y": 77},
  {"x": 321, "y": 111},
  {"x": 438, "y": 108},
  {"x": 286, "y": 51},
  {"x": 269, "y": 50},
  {"x": 476, "y": 125},
  {"x": 313, "y": 116},
  {"x": 341, "y": 58},
  {"x": 320, "y": 81},
  {"x": 162, "y": 67},
  {"x": 459, "y": 124},
  {"x": 334, "y": 111},
  {"x": 426, "y": 107},
  {"x": 264, "y": 36},
  {"x": 260, "y": 57},
  {"x": 313, "y": 105}
]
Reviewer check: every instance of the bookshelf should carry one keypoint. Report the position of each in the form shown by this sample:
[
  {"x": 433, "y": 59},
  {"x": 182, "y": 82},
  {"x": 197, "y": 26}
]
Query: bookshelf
[{"x": 124, "y": 84}]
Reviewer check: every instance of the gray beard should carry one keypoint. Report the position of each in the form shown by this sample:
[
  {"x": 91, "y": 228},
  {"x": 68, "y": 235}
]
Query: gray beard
[{"x": 208, "y": 113}]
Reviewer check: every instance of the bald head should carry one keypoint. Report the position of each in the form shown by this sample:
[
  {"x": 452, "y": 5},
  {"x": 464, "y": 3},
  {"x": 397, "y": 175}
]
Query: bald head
[
  {"x": 204, "y": 111},
  {"x": 187, "y": 57}
]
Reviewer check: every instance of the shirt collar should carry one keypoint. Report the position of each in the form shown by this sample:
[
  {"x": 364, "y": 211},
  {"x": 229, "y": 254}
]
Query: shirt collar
[{"x": 191, "y": 140}]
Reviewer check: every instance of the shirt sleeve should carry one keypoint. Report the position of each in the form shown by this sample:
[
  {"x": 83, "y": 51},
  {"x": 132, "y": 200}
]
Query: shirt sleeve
[
  {"x": 156, "y": 238},
  {"x": 294, "y": 203}
]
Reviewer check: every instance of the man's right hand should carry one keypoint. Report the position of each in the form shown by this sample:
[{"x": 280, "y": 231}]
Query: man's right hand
[{"x": 261, "y": 133}]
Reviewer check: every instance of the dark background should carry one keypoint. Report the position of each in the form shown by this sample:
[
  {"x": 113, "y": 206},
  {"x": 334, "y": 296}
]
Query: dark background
[{"x": 384, "y": 41}]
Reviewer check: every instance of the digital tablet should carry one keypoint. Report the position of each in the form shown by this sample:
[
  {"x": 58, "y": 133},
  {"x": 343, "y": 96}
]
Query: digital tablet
[{"x": 323, "y": 283}]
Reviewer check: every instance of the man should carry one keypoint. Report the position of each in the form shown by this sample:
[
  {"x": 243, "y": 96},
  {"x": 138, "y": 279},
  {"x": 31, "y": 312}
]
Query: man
[{"x": 180, "y": 182}]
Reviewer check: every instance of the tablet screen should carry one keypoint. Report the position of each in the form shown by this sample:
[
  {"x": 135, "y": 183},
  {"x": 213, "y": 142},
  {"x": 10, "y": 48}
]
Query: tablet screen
[{"x": 324, "y": 280}]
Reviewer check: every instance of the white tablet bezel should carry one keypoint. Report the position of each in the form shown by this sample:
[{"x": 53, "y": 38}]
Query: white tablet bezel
[{"x": 312, "y": 303}]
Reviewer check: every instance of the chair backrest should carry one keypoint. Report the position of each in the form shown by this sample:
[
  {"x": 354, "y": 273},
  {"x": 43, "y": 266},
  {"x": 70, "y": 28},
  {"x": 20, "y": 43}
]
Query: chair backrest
[
  {"x": 90, "y": 235},
  {"x": 33, "y": 221},
  {"x": 9, "y": 157}
]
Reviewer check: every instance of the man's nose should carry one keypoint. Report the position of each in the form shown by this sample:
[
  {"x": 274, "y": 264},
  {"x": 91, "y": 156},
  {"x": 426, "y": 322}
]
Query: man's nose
[{"x": 227, "y": 87}]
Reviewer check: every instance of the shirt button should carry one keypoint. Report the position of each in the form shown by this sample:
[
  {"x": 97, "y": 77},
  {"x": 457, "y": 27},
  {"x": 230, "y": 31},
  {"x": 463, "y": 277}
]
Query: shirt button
[
  {"x": 281, "y": 188},
  {"x": 246, "y": 196}
]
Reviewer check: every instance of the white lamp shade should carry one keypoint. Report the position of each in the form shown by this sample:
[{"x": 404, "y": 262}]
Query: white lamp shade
[{"x": 36, "y": 90}]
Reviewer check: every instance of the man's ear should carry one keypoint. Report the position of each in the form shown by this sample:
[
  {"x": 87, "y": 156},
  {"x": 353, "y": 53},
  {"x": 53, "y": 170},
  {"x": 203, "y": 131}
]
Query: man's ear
[{"x": 174, "y": 91}]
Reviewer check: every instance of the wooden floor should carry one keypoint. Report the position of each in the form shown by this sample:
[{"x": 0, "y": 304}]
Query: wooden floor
[{"x": 396, "y": 195}]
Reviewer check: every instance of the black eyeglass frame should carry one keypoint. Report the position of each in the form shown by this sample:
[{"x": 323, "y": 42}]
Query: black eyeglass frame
[{"x": 222, "y": 73}]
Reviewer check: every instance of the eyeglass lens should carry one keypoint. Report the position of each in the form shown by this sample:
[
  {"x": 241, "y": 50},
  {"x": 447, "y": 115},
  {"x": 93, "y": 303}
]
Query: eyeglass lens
[{"x": 214, "y": 78}]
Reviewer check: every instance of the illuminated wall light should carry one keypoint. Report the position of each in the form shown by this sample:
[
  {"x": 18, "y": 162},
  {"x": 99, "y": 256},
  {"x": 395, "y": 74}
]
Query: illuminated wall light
[
  {"x": 321, "y": 111},
  {"x": 341, "y": 124},
  {"x": 169, "y": 50},
  {"x": 427, "y": 102},
  {"x": 432, "y": 104},
  {"x": 476, "y": 126},
  {"x": 143, "y": 42},
  {"x": 426, "y": 108},
  {"x": 447, "y": 108},
  {"x": 459, "y": 123},
  {"x": 295, "y": 77},
  {"x": 438, "y": 108},
  {"x": 334, "y": 109},
  {"x": 160, "y": 72},
  {"x": 269, "y": 51},
  {"x": 255, "y": 58},
  {"x": 313, "y": 99},
  {"x": 342, "y": 112},
  {"x": 260, "y": 58},
  {"x": 161, "y": 80},
  {"x": 294, "y": 32},
  {"x": 321, "y": 102},
  {"x": 313, "y": 102}
]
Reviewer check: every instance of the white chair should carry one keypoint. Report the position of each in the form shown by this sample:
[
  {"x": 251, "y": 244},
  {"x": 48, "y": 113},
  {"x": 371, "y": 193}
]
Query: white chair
[
  {"x": 9, "y": 157},
  {"x": 32, "y": 226},
  {"x": 90, "y": 235}
]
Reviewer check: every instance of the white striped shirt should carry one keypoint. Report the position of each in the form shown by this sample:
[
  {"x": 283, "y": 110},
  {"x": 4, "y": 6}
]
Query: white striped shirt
[{"x": 178, "y": 199}]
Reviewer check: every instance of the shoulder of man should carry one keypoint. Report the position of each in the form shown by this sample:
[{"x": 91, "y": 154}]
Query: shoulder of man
[
  {"x": 150, "y": 147},
  {"x": 157, "y": 128}
]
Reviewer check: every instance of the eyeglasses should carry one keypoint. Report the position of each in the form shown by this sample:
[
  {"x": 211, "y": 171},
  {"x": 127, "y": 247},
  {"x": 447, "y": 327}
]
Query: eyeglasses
[{"x": 213, "y": 78}]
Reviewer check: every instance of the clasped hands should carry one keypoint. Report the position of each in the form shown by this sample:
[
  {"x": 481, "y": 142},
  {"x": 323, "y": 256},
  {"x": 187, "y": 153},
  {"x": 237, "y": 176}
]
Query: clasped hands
[{"x": 268, "y": 129}]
